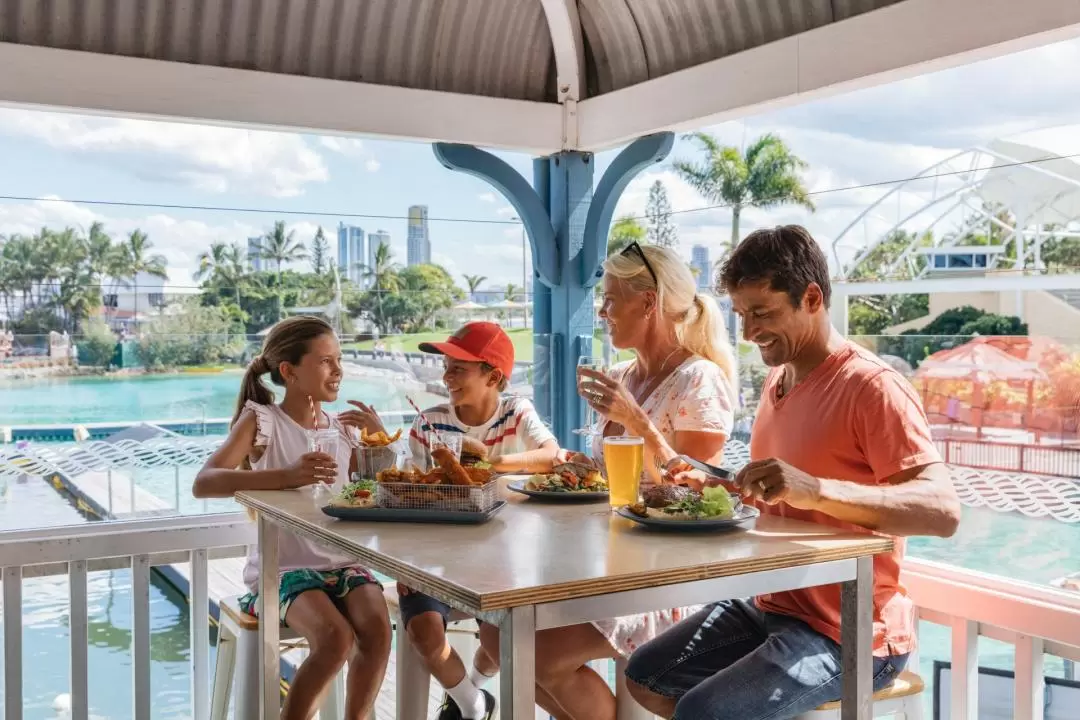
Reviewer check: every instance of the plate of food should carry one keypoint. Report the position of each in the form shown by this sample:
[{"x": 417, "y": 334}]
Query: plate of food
[
  {"x": 680, "y": 508},
  {"x": 577, "y": 480}
]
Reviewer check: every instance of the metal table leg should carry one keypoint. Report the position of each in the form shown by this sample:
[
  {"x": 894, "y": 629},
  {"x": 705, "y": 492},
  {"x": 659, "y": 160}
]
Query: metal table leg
[
  {"x": 856, "y": 642},
  {"x": 517, "y": 661},
  {"x": 269, "y": 622}
]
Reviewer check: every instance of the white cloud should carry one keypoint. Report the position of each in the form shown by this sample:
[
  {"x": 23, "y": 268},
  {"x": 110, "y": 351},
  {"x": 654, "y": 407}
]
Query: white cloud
[
  {"x": 487, "y": 197},
  {"x": 372, "y": 165},
  {"x": 213, "y": 159},
  {"x": 343, "y": 146},
  {"x": 506, "y": 211}
]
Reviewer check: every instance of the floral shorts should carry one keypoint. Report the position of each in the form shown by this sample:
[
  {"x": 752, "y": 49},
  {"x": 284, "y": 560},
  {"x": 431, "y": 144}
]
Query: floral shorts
[{"x": 335, "y": 583}]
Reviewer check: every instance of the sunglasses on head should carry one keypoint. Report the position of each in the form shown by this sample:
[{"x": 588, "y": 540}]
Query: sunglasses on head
[{"x": 635, "y": 249}]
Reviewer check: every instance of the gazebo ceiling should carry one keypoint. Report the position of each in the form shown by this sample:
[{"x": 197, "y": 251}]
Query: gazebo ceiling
[
  {"x": 532, "y": 75},
  {"x": 497, "y": 48}
]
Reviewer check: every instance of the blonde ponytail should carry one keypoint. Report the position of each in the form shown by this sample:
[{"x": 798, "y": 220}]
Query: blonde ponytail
[{"x": 702, "y": 332}]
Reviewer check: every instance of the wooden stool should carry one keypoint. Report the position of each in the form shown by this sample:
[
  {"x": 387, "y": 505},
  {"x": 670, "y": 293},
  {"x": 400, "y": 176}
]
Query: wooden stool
[
  {"x": 901, "y": 699},
  {"x": 238, "y": 668}
]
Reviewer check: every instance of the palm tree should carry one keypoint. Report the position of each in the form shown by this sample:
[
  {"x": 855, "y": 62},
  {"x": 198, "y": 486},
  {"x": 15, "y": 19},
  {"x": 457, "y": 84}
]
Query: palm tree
[
  {"x": 624, "y": 231},
  {"x": 766, "y": 175},
  {"x": 136, "y": 259},
  {"x": 222, "y": 264},
  {"x": 281, "y": 247},
  {"x": 383, "y": 276},
  {"x": 474, "y": 281}
]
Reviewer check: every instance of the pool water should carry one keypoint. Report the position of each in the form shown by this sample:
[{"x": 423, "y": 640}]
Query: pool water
[{"x": 52, "y": 401}]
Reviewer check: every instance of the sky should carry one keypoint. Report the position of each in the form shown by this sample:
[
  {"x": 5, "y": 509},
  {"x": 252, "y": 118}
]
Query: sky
[{"x": 855, "y": 145}]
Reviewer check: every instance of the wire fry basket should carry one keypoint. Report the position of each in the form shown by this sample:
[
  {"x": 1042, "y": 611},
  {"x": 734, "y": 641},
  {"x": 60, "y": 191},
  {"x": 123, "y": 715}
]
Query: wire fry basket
[{"x": 440, "y": 498}]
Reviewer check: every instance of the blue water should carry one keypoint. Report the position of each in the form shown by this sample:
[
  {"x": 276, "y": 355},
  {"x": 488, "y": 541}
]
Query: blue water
[{"x": 48, "y": 401}]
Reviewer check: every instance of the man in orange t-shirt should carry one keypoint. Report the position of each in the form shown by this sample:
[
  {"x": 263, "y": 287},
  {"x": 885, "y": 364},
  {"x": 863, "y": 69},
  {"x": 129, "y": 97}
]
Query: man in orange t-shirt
[{"x": 840, "y": 439}]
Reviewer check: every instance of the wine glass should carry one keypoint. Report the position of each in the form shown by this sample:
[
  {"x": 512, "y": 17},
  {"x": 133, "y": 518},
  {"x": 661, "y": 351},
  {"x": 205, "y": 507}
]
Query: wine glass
[{"x": 592, "y": 420}]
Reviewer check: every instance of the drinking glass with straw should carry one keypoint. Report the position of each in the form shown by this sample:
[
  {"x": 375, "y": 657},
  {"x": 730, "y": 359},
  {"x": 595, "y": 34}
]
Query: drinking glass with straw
[{"x": 324, "y": 441}]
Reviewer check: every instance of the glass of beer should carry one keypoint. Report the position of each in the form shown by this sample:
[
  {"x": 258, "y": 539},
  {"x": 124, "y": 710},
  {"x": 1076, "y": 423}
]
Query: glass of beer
[{"x": 624, "y": 460}]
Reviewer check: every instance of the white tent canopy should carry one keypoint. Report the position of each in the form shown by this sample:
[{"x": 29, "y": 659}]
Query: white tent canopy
[{"x": 531, "y": 75}]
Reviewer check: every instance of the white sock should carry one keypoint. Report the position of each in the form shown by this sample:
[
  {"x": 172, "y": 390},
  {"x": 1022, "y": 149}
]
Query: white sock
[
  {"x": 469, "y": 699},
  {"x": 478, "y": 678}
]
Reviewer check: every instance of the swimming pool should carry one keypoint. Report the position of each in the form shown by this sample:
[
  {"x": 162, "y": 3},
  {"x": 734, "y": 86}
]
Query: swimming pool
[{"x": 50, "y": 401}]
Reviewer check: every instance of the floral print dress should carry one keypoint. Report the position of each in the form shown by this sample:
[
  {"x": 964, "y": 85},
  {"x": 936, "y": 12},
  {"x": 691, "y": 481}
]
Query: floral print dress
[{"x": 697, "y": 396}]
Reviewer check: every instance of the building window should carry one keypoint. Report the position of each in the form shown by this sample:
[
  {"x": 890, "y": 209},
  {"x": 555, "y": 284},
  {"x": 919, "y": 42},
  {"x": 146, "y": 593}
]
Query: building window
[
  {"x": 111, "y": 301},
  {"x": 940, "y": 261},
  {"x": 157, "y": 299}
]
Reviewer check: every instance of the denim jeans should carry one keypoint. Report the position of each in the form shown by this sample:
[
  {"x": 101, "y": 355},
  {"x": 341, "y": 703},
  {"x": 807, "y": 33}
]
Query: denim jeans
[{"x": 731, "y": 661}]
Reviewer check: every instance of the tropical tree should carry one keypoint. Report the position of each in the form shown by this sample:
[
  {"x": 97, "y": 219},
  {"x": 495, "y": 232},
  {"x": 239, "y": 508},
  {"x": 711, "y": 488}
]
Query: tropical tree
[
  {"x": 661, "y": 230},
  {"x": 280, "y": 247},
  {"x": 136, "y": 258},
  {"x": 222, "y": 264},
  {"x": 474, "y": 282},
  {"x": 382, "y": 278},
  {"x": 766, "y": 175},
  {"x": 510, "y": 292},
  {"x": 320, "y": 253},
  {"x": 624, "y": 231}
]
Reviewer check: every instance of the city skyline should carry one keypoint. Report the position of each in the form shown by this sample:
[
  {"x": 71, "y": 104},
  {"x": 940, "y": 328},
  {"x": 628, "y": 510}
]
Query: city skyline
[{"x": 418, "y": 238}]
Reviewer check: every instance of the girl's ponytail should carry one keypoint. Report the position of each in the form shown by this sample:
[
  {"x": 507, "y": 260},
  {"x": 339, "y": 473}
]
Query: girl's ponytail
[{"x": 252, "y": 387}]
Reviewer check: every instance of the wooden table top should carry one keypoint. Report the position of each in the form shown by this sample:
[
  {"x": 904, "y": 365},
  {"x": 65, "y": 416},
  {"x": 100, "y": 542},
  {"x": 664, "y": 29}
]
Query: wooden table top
[{"x": 538, "y": 552}]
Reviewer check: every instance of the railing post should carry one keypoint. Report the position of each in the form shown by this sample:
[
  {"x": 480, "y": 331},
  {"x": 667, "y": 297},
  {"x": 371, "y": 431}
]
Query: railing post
[
  {"x": 13, "y": 655},
  {"x": 78, "y": 626},
  {"x": 964, "y": 693},
  {"x": 1029, "y": 693},
  {"x": 140, "y": 636}
]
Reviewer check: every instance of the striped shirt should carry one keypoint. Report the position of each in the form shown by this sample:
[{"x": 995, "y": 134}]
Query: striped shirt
[{"x": 514, "y": 427}]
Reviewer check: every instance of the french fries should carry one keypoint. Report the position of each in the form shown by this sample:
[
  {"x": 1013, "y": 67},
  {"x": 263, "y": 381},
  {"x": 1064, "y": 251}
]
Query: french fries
[{"x": 379, "y": 439}]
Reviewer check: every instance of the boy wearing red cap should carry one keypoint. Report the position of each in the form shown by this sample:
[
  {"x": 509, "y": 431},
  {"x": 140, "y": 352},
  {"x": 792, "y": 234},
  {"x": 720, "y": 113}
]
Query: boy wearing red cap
[{"x": 478, "y": 360}]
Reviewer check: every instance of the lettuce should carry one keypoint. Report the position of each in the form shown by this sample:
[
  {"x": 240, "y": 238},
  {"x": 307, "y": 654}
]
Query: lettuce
[{"x": 715, "y": 501}]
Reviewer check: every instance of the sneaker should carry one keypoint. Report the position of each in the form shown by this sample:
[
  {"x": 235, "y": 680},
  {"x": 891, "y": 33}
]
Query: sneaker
[{"x": 450, "y": 711}]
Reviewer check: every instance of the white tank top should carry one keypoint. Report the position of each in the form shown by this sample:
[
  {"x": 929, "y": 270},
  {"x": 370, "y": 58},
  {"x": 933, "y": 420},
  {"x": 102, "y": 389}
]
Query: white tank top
[{"x": 284, "y": 442}]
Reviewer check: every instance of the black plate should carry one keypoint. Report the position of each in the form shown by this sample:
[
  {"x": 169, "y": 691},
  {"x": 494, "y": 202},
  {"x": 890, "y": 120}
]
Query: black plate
[
  {"x": 379, "y": 514},
  {"x": 745, "y": 517},
  {"x": 518, "y": 486}
]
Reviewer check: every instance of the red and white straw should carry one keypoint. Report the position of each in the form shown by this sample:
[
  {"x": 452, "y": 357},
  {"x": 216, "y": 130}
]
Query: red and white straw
[{"x": 424, "y": 417}]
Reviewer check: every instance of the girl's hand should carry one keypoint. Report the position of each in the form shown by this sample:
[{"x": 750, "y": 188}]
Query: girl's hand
[
  {"x": 363, "y": 418},
  {"x": 311, "y": 468},
  {"x": 611, "y": 399}
]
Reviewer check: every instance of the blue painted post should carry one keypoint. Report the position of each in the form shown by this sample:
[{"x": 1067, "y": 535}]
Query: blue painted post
[{"x": 567, "y": 226}]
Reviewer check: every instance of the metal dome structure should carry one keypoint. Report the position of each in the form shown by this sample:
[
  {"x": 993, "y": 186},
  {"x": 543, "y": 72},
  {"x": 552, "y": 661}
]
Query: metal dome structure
[{"x": 1034, "y": 187}]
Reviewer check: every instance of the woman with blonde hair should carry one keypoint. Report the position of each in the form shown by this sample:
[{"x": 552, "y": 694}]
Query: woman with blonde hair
[{"x": 678, "y": 393}]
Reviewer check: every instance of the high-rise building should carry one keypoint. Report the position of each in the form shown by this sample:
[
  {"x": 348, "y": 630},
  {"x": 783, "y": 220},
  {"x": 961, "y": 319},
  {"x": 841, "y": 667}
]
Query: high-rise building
[
  {"x": 374, "y": 240},
  {"x": 351, "y": 255},
  {"x": 699, "y": 260},
  {"x": 254, "y": 254},
  {"x": 419, "y": 243}
]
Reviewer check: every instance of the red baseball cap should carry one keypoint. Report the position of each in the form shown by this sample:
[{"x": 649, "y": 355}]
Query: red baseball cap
[{"x": 478, "y": 342}]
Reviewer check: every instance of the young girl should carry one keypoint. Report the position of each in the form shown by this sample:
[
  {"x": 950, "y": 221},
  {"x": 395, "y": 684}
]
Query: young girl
[{"x": 335, "y": 605}]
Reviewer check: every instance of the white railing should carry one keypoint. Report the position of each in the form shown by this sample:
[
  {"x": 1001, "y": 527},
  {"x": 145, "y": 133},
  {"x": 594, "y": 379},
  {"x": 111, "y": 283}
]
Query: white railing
[
  {"x": 1033, "y": 618},
  {"x": 138, "y": 545}
]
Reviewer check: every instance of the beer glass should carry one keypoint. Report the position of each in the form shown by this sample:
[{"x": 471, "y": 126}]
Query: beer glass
[{"x": 624, "y": 460}]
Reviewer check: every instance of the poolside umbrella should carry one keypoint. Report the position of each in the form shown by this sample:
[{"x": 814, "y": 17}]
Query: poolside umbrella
[{"x": 964, "y": 383}]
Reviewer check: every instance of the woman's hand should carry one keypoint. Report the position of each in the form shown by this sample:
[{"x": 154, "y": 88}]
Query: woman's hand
[
  {"x": 611, "y": 399},
  {"x": 363, "y": 418},
  {"x": 311, "y": 468}
]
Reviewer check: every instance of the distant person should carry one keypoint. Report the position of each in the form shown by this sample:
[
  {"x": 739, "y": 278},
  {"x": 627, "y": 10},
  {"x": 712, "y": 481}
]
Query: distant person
[
  {"x": 477, "y": 362},
  {"x": 337, "y": 606},
  {"x": 840, "y": 439}
]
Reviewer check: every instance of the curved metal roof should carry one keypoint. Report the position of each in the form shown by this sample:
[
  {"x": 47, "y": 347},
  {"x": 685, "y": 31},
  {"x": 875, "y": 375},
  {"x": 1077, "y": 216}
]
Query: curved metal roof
[{"x": 497, "y": 48}]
